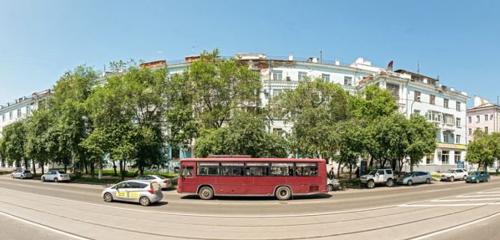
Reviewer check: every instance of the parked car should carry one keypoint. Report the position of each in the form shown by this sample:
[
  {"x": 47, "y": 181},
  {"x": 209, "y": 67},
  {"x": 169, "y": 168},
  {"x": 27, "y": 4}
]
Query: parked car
[
  {"x": 22, "y": 174},
  {"x": 477, "y": 177},
  {"x": 56, "y": 176},
  {"x": 415, "y": 177},
  {"x": 142, "y": 192},
  {"x": 378, "y": 176},
  {"x": 162, "y": 181},
  {"x": 333, "y": 184},
  {"x": 454, "y": 174}
]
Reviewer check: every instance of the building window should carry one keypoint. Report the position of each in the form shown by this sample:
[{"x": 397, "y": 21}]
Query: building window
[
  {"x": 486, "y": 130},
  {"x": 394, "y": 89},
  {"x": 325, "y": 77},
  {"x": 18, "y": 113},
  {"x": 432, "y": 99},
  {"x": 458, "y": 106},
  {"x": 28, "y": 110},
  {"x": 470, "y": 119},
  {"x": 3, "y": 117},
  {"x": 458, "y": 156},
  {"x": 10, "y": 115},
  {"x": 429, "y": 159},
  {"x": 277, "y": 75},
  {"x": 445, "y": 157},
  {"x": 448, "y": 119},
  {"x": 457, "y": 138},
  {"x": 446, "y": 103},
  {"x": 347, "y": 81},
  {"x": 485, "y": 117},
  {"x": 459, "y": 123},
  {"x": 416, "y": 112},
  {"x": 302, "y": 76},
  {"x": 416, "y": 96},
  {"x": 478, "y": 118},
  {"x": 491, "y": 117},
  {"x": 470, "y": 131}
]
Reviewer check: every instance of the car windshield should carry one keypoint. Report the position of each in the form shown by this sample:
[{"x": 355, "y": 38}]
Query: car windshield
[
  {"x": 451, "y": 171},
  {"x": 61, "y": 172},
  {"x": 475, "y": 173},
  {"x": 372, "y": 172},
  {"x": 408, "y": 174},
  {"x": 161, "y": 177}
]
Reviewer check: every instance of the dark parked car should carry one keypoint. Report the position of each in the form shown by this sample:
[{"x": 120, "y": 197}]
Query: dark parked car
[{"x": 477, "y": 177}]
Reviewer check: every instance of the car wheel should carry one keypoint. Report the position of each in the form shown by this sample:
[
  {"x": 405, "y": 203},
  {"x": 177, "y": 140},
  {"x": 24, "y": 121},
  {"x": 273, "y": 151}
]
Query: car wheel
[
  {"x": 43, "y": 179},
  {"x": 465, "y": 177},
  {"x": 144, "y": 201},
  {"x": 428, "y": 181},
  {"x": 108, "y": 197},
  {"x": 370, "y": 184},
  {"x": 283, "y": 193},
  {"x": 477, "y": 180},
  {"x": 487, "y": 180},
  {"x": 206, "y": 193},
  {"x": 410, "y": 182},
  {"x": 330, "y": 187},
  {"x": 56, "y": 180},
  {"x": 452, "y": 179},
  {"x": 390, "y": 183}
]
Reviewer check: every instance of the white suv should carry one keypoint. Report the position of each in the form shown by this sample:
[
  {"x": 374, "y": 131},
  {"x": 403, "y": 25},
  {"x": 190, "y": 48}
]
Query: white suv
[
  {"x": 56, "y": 176},
  {"x": 454, "y": 174},
  {"x": 378, "y": 176}
]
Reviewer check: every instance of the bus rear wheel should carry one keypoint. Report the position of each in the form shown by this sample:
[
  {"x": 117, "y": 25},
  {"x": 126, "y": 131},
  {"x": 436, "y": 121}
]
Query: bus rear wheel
[
  {"x": 283, "y": 193},
  {"x": 206, "y": 193}
]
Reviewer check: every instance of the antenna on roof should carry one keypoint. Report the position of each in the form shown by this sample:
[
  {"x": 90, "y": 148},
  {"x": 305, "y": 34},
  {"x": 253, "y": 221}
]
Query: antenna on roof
[
  {"x": 320, "y": 56},
  {"x": 418, "y": 67}
]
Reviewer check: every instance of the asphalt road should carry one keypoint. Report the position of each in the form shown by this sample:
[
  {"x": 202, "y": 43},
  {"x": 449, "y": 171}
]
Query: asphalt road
[{"x": 436, "y": 211}]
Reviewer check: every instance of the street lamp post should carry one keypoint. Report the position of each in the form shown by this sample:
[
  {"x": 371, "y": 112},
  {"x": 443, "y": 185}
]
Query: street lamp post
[{"x": 411, "y": 106}]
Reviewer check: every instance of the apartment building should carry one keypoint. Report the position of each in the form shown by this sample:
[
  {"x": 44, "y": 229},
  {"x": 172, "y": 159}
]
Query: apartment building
[{"x": 484, "y": 116}]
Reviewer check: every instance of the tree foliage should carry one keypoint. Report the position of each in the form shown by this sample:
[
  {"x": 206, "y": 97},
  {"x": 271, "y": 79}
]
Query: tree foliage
[
  {"x": 484, "y": 149},
  {"x": 246, "y": 134}
]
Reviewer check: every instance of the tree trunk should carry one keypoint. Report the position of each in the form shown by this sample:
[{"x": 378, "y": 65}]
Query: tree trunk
[
  {"x": 26, "y": 164},
  {"x": 65, "y": 168},
  {"x": 338, "y": 170},
  {"x": 34, "y": 166},
  {"x": 92, "y": 169},
  {"x": 350, "y": 171},
  {"x": 43, "y": 167},
  {"x": 114, "y": 168},
  {"x": 99, "y": 176},
  {"x": 122, "y": 169}
]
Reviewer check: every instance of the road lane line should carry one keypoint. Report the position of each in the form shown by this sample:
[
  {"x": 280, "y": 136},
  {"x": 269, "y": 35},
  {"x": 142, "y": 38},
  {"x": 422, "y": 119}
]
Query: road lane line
[
  {"x": 465, "y": 200},
  {"x": 45, "y": 227},
  {"x": 458, "y": 226}
]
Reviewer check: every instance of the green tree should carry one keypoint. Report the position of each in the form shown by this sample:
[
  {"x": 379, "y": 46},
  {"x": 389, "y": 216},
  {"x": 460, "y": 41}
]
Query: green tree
[
  {"x": 372, "y": 103},
  {"x": 71, "y": 124},
  {"x": 219, "y": 86},
  {"x": 14, "y": 137},
  {"x": 421, "y": 139},
  {"x": 314, "y": 108},
  {"x": 484, "y": 149},
  {"x": 245, "y": 134},
  {"x": 387, "y": 140},
  {"x": 37, "y": 127},
  {"x": 127, "y": 115},
  {"x": 351, "y": 143}
]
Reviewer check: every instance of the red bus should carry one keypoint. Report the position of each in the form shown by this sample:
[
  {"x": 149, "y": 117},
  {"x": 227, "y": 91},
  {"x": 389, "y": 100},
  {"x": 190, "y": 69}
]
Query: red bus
[{"x": 245, "y": 176}]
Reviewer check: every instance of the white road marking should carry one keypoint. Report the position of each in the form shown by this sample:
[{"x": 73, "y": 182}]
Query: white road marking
[
  {"x": 479, "y": 195},
  {"x": 465, "y": 200},
  {"x": 448, "y": 205},
  {"x": 456, "y": 227},
  {"x": 43, "y": 227}
]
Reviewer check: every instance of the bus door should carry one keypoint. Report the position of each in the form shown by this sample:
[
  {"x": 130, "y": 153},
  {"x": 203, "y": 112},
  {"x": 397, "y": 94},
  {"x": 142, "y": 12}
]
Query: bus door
[
  {"x": 232, "y": 180},
  {"x": 187, "y": 181},
  {"x": 262, "y": 184}
]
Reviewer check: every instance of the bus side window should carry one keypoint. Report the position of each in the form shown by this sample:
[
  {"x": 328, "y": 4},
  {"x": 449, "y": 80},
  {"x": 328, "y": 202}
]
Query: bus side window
[{"x": 187, "y": 172}]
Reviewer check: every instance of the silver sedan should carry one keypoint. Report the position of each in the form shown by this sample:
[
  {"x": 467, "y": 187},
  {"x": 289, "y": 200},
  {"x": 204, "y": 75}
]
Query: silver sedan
[{"x": 142, "y": 192}]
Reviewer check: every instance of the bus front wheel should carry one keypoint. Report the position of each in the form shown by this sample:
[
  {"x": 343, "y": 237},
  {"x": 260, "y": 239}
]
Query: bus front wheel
[
  {"x": 283, "y": 193},
  {"x": 206, "y": 193}
]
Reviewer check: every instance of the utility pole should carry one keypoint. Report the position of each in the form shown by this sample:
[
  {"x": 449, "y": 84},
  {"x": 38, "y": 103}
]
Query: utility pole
[{"x": 320, "y": 56}]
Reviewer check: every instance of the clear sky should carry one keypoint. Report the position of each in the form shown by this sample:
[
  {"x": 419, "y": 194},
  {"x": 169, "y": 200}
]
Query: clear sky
[{"x": 459, "y": 41}]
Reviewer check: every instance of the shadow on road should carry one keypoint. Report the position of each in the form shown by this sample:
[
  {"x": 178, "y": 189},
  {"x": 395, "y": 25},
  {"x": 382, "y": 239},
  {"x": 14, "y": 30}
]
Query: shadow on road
[{"x": 263, "y": 199}]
